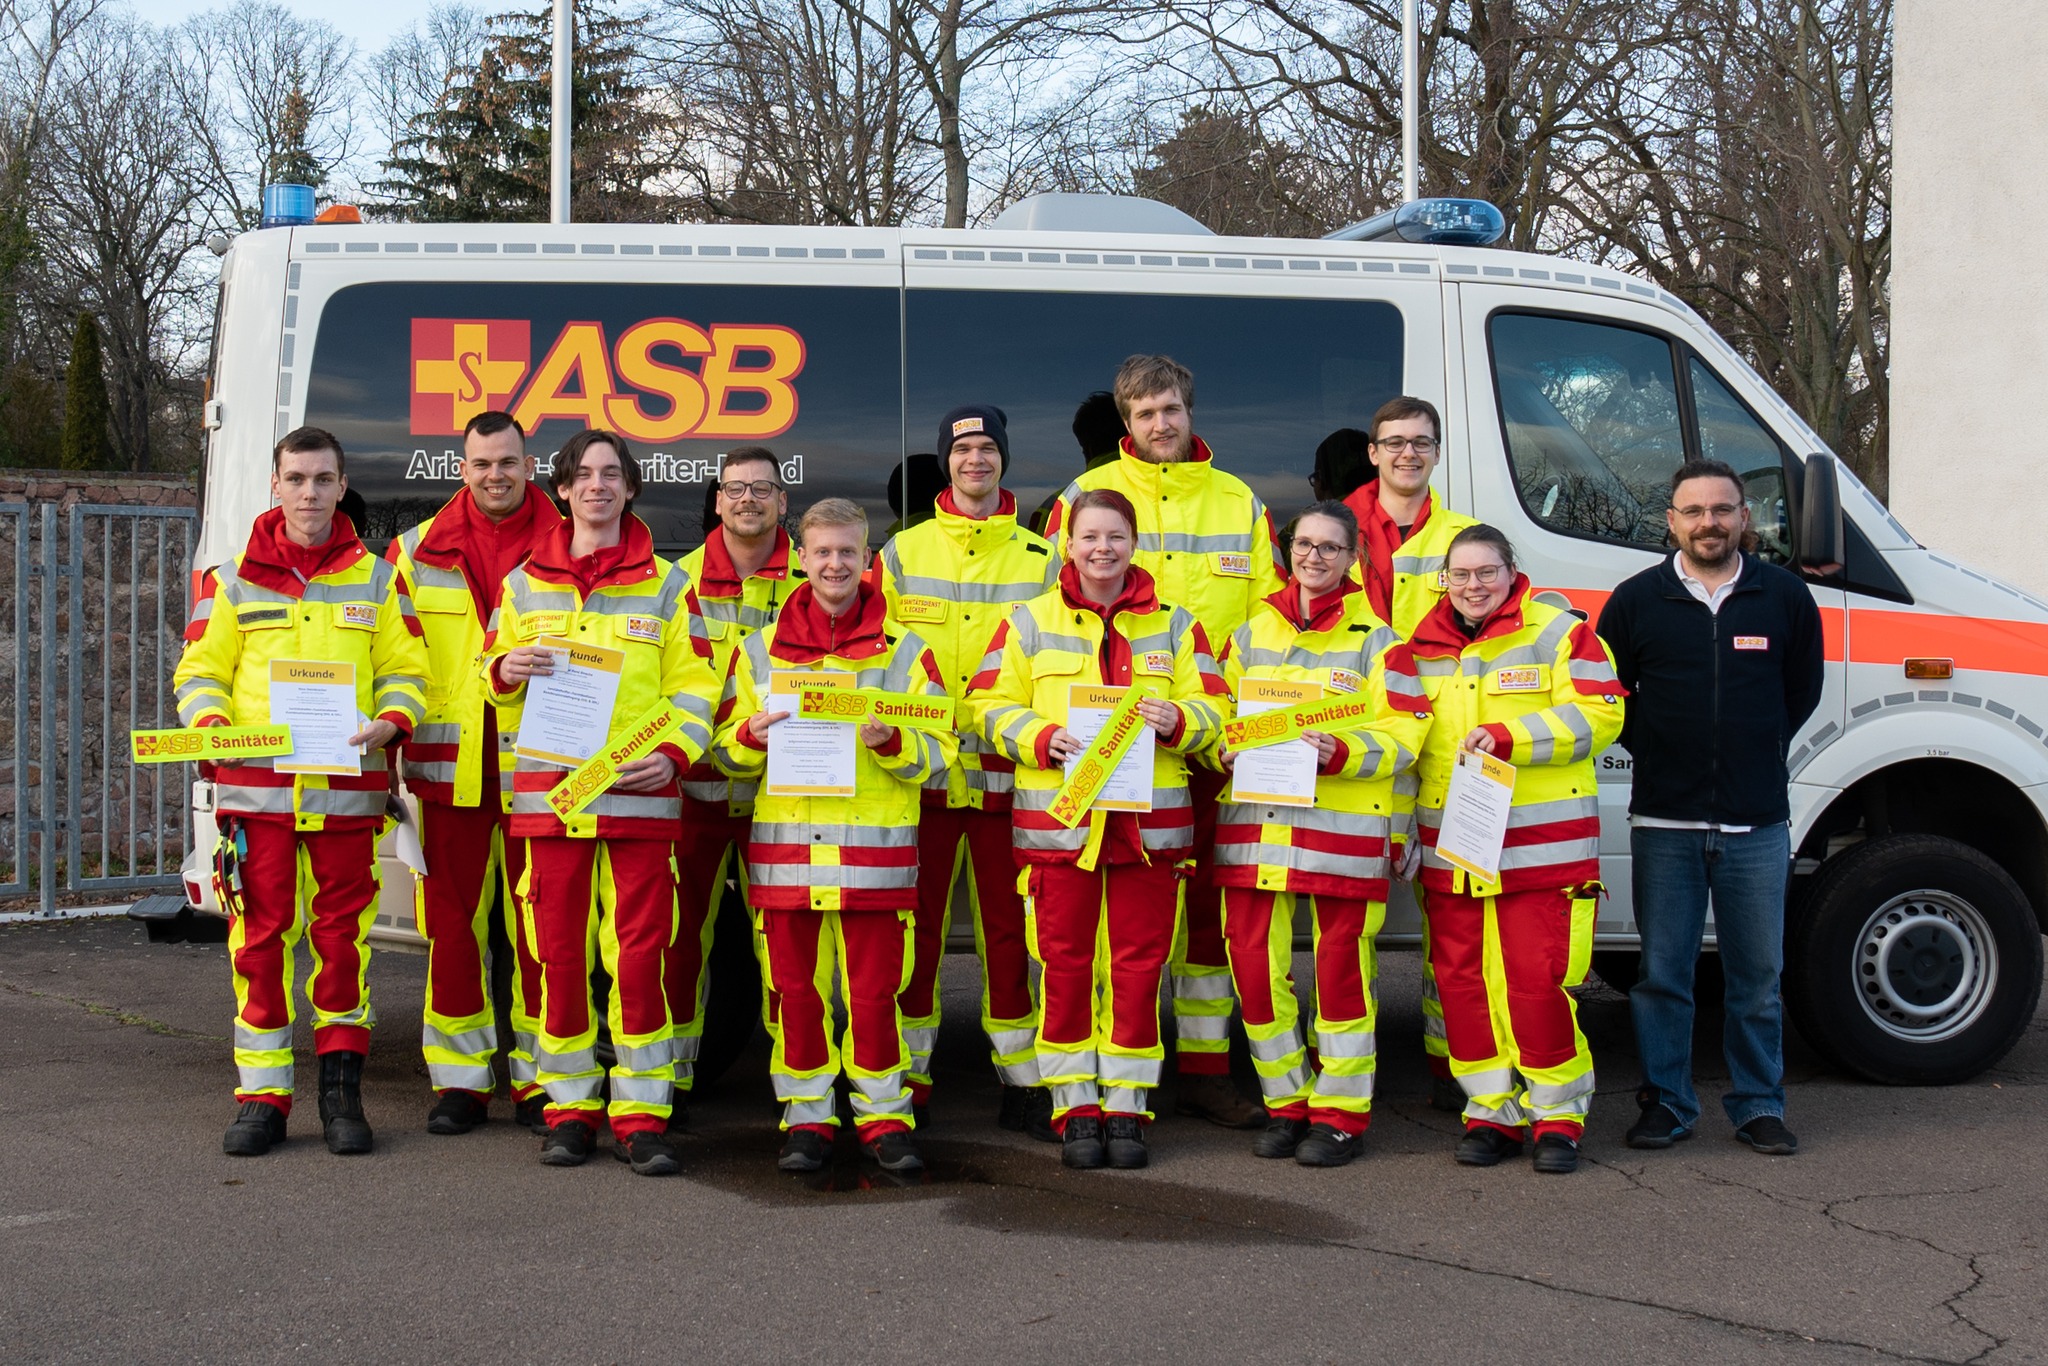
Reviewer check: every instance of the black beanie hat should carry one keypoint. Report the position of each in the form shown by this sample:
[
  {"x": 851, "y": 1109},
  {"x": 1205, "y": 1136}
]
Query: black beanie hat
[{"x": 967, "y": 420}]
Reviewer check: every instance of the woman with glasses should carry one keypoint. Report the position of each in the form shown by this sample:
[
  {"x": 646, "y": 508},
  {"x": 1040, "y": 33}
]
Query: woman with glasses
[
  {"x": 1318, "y": 637},
  {"x": 1532, "y": 685}
]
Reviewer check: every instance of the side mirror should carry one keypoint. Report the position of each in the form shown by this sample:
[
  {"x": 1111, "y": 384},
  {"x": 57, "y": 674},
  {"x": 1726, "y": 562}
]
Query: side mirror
[{"x": 1818, "y": 537}]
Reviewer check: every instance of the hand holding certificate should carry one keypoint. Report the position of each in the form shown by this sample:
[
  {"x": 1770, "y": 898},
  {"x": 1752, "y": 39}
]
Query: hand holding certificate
[
  {"x": 1476, "y": 809},
  {"x": 809, "y": 758},
  {"x": 567, "y": 715}
]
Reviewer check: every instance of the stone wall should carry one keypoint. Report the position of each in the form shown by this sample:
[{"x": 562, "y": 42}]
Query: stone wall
[{"x": 66, "y": 487}]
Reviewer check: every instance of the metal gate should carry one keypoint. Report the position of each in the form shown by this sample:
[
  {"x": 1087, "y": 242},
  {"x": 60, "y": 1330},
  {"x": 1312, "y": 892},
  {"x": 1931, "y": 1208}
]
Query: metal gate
[{"x": 101, "y": 595}]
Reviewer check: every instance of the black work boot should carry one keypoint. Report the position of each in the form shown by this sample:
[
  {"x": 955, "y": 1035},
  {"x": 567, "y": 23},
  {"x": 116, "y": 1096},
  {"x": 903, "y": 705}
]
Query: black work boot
[
  {"x": 457, "y": 1112},
  {"x": 258, "y": 1128},
  {"x": 1124, "y": 1140},
  {"x": 1282, "y": 1137},
  {"x": 1028, "y": 1110},
  {"x": 1081, "y": 1143},
  {"x": 341, "y": 1103},
  {"x": 532, "y": 1113}
]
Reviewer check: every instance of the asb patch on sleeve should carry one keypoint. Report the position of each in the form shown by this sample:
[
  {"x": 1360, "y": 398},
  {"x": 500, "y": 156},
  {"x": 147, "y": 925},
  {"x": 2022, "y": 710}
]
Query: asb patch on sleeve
[
  {"x": 1158, "y": 662},
  {"x": 1343, "y": 680}
]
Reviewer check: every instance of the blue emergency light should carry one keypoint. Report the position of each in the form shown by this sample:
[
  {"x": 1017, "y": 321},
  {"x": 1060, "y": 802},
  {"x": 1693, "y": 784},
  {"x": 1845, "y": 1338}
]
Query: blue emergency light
[
  {"x": 287, "y": 206},
  {"x": 1435, "y": 222}
]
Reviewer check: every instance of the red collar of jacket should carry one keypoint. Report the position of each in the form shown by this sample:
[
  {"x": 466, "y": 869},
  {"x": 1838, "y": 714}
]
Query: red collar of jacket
[
  {"x": 273, "y": 560},
  {"x": 1441, "y": 632},
  {"x": 806, "y": 633},
  {"x": 1383, "y": 537},
  {"x": 1323, "y": 612},
  {"x": 721, "y": 577},
  {"x": 462, "y": 537},
  {"x": 1198, "y": 454},
  {"x": 947, "y": 506},
  {"x": 630, "y": 561},
  {"x": 1140, "y": 594}
]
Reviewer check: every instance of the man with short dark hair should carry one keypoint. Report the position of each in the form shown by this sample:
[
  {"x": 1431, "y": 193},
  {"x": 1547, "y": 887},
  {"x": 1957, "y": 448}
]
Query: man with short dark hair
[
  {"x": 297, "y": 859},
  {"x": 1207, "y": 541},
  {"x": 1722, "y": 656},
  {"x": 457, "y": 561}
]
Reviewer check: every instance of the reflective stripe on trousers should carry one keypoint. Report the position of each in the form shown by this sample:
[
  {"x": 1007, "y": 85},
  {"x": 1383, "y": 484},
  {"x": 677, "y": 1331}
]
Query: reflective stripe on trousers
[
  {"x": 1202, "y": 999},
  {"x": 471, "y": 864}
]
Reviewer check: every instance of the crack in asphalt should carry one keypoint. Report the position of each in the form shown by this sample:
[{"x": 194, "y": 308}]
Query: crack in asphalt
[{"x": 118, "y": 1015}]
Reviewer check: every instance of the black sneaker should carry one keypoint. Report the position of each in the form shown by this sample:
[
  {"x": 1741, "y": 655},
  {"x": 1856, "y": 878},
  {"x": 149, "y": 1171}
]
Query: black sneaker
[
  {"x": 1555, "y": 1155},
  {"x": 1125, "y": 1142},
  {"x": 650, "y": 1153},
  {"x": 457, "y": 1112},
  {"x": 568, "y": 1143},
  {"x": 1768, "y": 1134},
  {"x": 803, "y": 1151},
  {"x": 1081, "y": 1145},
  {"x": 1325, "y": 1145},
  {"x": 258, "y": 1128},
  {"x": 1281, "y": 1138},
  {"x": 1657, "y": 1127},
  {"x": 1485, "y": 1146},
  {"x": 895, "y": 1151},
  {"x": 532, "y": 1113}
]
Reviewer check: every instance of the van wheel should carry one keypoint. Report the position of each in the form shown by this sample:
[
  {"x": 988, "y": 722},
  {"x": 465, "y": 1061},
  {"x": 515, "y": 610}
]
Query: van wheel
[
  {"x": 1916, "y": 961},
  {"x": 732, "y": 1009}
]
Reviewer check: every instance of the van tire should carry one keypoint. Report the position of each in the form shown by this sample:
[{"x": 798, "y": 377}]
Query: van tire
[
  {"x": 732, "y": 1008},
  {"x": 1938, "y": 1014}
]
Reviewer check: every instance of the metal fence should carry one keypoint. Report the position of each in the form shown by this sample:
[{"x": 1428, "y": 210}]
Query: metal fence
[{"x": 101, "y": 594}]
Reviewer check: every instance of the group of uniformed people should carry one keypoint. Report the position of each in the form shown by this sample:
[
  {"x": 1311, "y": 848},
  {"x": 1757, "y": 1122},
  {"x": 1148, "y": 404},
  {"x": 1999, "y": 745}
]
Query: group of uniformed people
[{"x": 1158, "y": 572}]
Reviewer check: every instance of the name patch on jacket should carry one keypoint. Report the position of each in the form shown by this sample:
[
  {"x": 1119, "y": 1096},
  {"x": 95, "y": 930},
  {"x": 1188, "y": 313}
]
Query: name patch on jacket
[
  {"x": 1157, "y": 662},
  {"x": 1343, "y": 680},
  {"x": 1521, "y": 678},
  {"x": 644, "y": 628},
  {"x": 361, "y": 615},
  {"x": 542, "y": 624},
  {"x": 1234, "y": 563},
  {"x": 252, "y": 617},
  {"x": 1752, "y": 642},
  {"x": 924, "y": 609}
]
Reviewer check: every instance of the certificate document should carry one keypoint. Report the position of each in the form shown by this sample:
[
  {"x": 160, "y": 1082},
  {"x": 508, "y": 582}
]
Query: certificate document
[
  {"x": 810, "y": 758},
  {"x": 1476, "y": 807},
  {"x": 1282, "y": 774},
  {"x": 568, "y": 713},
  {"x": 318, "y": 701},
  {"x": 1130, "y": 787}
]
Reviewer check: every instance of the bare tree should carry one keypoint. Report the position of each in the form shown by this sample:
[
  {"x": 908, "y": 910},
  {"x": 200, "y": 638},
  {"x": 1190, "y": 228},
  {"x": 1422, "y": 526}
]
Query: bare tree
[
  {"x": 119, "y": 213},
  {"x": 413, "y": 73}
]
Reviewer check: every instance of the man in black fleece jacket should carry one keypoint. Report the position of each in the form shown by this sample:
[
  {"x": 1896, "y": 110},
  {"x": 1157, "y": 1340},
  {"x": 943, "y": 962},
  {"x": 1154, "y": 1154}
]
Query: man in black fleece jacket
[{"x": 1721, "y": 654}]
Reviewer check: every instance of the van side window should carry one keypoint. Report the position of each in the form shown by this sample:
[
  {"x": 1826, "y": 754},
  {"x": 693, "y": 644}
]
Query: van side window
[
  {"x": 1590, "y": 415},
  {"x": 1730, "y": 433}
]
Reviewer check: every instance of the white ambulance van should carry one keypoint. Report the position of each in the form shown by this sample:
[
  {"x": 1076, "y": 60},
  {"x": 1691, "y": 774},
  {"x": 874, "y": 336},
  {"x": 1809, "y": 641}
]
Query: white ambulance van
[{"x": 1570, "y": 393}]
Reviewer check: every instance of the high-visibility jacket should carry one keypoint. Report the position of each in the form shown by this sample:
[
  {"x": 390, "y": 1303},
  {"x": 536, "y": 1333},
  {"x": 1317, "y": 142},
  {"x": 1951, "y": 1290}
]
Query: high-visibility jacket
[
  {"x": 733, "y": 609},
  {"x": 1404, "y": 578},
  {"x": 855, "y": 853},
  {"x": 1019, "y": 698},
  {"x": 641, "y": 608},
  {"x": 1542, "y": 683},
  {"x": 1338, "y": 847},
  {"x": 952, "y": 580},
  {"x": 1203, "y": 535},
  {"x": 456, "y": 748},
  {"x": 353, "y": 609}
]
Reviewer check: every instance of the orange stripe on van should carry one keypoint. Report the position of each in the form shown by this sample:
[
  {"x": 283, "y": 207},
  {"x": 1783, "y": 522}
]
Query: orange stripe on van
[
  {"x": 1591, "y": 600},
  {"x": 2013, "y": 647}
]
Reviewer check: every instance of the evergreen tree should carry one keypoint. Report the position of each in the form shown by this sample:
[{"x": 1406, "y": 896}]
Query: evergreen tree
[
  {"x": 86, "y": 444},
  {"x": 481, "y": 154},
  {"x": 293, "y": 163}
]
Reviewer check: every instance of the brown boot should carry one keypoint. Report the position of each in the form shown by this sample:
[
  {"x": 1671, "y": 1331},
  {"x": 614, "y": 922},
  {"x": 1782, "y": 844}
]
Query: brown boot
[{"x": 1216, "y": 1099}]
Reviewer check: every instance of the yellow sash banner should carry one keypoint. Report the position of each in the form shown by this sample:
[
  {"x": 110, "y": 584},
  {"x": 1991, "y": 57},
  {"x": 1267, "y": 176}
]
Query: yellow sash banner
[
  {"x": 854, "y": 705},
  {"x": 208, "y": 742},
  {"x": 601, "y": 769},
  {"x": 1099, "y": 761},
  {"x": 1290, "y": 723}
]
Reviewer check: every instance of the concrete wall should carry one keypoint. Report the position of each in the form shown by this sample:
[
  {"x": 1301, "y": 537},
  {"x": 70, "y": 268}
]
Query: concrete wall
[{"x": 1969, "y": 441}]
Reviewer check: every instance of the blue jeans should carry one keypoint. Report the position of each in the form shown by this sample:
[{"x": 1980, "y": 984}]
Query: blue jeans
[{"x": 1673, "y": 872}]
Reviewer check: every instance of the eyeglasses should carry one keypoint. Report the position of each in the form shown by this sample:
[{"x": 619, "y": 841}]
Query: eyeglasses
[
  {"x": 1421, "y": 445},
  {"x": 1318, "y": 550},
  {"x": 1486, "y": 575},
  {"x": 737, "y": 489},
  {"x": 1720, "y": 512}
]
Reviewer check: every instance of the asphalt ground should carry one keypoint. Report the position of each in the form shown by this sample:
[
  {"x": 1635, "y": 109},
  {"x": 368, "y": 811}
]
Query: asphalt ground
[{"x": 1909, "y": 1228}]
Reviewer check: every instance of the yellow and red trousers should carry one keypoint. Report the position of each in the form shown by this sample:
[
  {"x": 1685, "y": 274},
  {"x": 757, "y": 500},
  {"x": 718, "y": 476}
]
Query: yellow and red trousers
[
  {"x": 472, "y": 862},
  {"x": 869, "y": 952}
]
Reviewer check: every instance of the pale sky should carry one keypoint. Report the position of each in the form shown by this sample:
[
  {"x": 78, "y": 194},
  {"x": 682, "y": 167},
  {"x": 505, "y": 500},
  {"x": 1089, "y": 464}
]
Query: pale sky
[{"x": 369, "y": 22}]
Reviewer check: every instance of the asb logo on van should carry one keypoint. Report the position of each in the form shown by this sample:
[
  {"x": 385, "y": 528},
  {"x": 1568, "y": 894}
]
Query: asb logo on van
[{"x": 662, "y": 379}]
